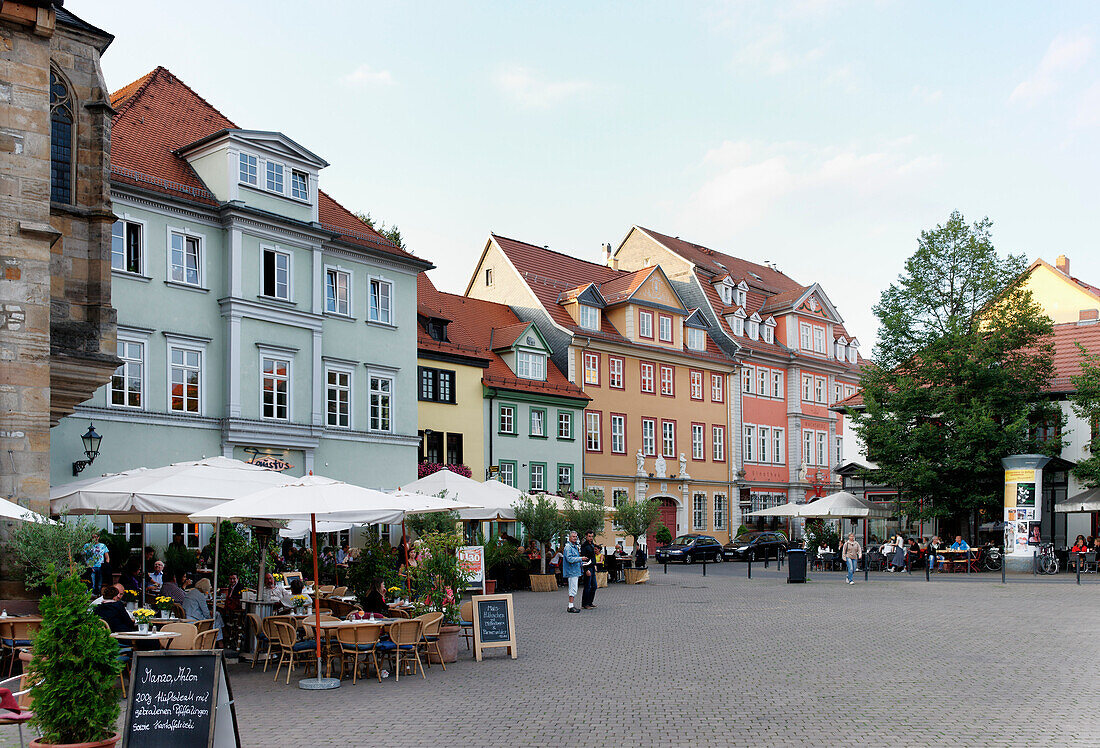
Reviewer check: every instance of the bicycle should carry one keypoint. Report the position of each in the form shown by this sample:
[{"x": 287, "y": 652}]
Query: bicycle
[
  {"x": 1048, "y": 562},
  {"x": 991, "y": 558}
]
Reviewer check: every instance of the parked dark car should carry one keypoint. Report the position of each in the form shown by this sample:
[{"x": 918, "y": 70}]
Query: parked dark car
[
  {"x": 754, "y": 545},
  {"x": 689, "y": 549}
]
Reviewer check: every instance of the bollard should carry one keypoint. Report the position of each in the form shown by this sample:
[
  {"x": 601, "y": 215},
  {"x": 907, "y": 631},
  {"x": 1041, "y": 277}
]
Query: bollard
[
  {"x": 865, "y": 568},
  {"x": 1002, "y": 568},
  {"x": 666, "y": 565},
  {"x": 750, "y": 566},
  {"x": 704, "y": 566},
  {"x": 1079, "y": 557},
  {"x": 1034, "y": 563},
  {"x": 927, "y": 567},
  {"x": 765, "y": 558},
  {"x": 779, "y": 554},
  {"x": 968, "y": 561}
]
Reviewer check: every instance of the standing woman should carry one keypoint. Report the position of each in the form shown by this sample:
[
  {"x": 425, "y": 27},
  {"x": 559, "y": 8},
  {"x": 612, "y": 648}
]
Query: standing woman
[
  {"x": 900, "y": 553},
  {"x": 403, "y": 553},
  {"x": 851, "y": 552}
]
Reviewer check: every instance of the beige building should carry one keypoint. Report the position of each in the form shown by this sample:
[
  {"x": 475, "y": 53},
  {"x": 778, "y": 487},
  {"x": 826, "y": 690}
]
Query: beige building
[{"x": 57, "y": 326}]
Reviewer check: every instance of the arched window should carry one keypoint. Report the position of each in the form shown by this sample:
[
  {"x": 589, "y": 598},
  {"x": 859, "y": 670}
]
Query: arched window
[{"x": 62, "y": 139}]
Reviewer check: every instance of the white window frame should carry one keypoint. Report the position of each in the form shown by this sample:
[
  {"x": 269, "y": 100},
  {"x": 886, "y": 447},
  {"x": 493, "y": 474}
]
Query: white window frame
[
  {"x": 695, "y": 384},
  {"x": 615, "y": 375},
  {"x": 531, "y": 365},
  {"x": 769, "y": 334},
  {"x": 762, "y": 381},
  {"x": 277, "y": 251},
  {"x": 668, "y": 438},
  {"x": 822, "y": 452},
  {"x": 698, "y": 442},
  {"x": 338, "y": 271},
  {"x": 270, "y": 169},
  {"x": 371, "y": 281},
  {"x": 592, "y": 428},
  {"x": 201, "y": 241},
  {"x": 588, "y": 317},
  {"x": 278, "y": 355},
  {"x": 699, "y": 510},
  {"x": 590, "y": 365},
  {"x": 738, "y": 326},
  {"x": 805, "y": 336},
  {"x": 142, "y": 270},
  {"x": 619, "y": 496},
  {"x": 618, "y": 433},
  {"x": 807, "y": 388},
  {"x": 664, "y": 328},
  {"x": 777, "y": 384},
  {"x": 392, "y": 395},
  {"x": 748, "y": 446},
  {"x": 511, "y": 419},
  {"x": 669, "y": 380},
  {"x": 837, "y": 389},
  {"x": 651, "y": 379},
  {"x": 565, "y": 418},
  {"x": 717, "y": 385},
  {"x": 649, "y": 437},
  {"x": 778, "y": 444},
  {"x": 754, "y": 329},
  {"x": 719, "y": 511},
  {"x": 537, "y": 419},
  {"x": 187, "y": 346},
  {"x": 253, "y": 165},
  {"x": 645, "y": 322},
  {"x": 819, "y": 341},
  {"x": 849, "y": 390},
  {"x": 305, "y": 175},
  {"x": 540, "y": 468},
  {"x": 350, "y": 372},
  {"x": 763, "y": 433},
  {"x": 852, "y": 351},
  {"x": 839, "y": 444},
  {"x": 507, "y": 473},
  {"x": 696, "y": 339},
  {"x": 718, "y": 443},
  {"x": 747, "y": 375},
  {"x": 568, "y": 468},
  {"x": 142, "y": 342},
  {"x": 820, "y": 388},
  {"x": 742, "y": 296}
]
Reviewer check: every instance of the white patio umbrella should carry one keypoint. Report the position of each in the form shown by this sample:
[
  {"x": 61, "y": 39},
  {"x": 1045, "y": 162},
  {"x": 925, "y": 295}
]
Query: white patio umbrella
[
  {"x": 311, "y": 496},
  {"x": 1086, "y": 501},
  {"x": 487, "y": 500},
  {"x": 166, "y": 494},
  {"x": 783, "y": 510},
  {"x": 11, "y": 510},
  {"x": 299, "y": 528},
  {"x": 842, "y": 505}
]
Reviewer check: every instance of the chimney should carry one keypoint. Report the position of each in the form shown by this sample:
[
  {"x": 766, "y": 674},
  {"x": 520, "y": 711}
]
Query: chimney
[
  {"x": 611, "y": 262},
  {"x": 1062, "y": 263},
  {"x": 1088, "y": 316}
]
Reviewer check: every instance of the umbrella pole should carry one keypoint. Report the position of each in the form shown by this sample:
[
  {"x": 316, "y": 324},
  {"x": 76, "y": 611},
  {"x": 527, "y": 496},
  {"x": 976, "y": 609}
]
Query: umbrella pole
[
  {"x": 144, "y": 583},
  {"x": 318, "y": 683},
  {"x": 217, "y": 545}
]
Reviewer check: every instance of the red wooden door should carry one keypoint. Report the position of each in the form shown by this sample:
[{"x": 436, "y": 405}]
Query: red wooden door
[{"x": 667, "y": 517}]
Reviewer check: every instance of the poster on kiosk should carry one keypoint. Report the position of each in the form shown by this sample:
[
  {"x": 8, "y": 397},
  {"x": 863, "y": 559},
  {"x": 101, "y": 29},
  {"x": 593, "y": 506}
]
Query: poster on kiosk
[{"x": 1023, "y": 504}]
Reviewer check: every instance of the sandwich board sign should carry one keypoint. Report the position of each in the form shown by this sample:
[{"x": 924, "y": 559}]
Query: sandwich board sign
[
  {"x": 180, "y": 698},
  {"x": 494, "y": 624},
  {"x": 471, "y": 559}
]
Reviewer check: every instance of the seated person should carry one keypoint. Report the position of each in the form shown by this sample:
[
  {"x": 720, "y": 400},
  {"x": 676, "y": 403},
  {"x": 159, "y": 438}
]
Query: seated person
[
  {"x": 960, "y": 544},
  {"x": 196, "y": 604},
  {"x": 113, "y": 611},
  {"x": 171, "y": 589},
  {"x": 131, "y": 577},
  {"x": 376, "y": 599},
  {"x": 1079, "y": 546},
  {"x": 296, "y": 588},
  {"x": 117, "y": 587},
  {"x": 233, "y": 593},
  {"x": 156, "y": 576},
  {"x": 270, "y": 592}
]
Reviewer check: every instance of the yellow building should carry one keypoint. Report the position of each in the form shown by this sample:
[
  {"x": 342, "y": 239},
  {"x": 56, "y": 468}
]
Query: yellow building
[{"x": 1062, "y": 297}]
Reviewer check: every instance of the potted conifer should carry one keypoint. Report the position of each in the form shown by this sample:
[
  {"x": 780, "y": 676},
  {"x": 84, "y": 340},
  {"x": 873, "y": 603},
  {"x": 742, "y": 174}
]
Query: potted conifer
[{"x": 76, "y": 666}]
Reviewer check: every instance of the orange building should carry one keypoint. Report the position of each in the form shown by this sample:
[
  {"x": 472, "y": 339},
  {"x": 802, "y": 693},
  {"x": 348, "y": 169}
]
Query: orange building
[{"x": 659, "y": 423}]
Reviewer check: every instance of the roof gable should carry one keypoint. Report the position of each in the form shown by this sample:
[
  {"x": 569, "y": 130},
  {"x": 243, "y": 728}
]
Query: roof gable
[
  {"x": 697, "y": 320},
  {"x": 269, "y": 141}
]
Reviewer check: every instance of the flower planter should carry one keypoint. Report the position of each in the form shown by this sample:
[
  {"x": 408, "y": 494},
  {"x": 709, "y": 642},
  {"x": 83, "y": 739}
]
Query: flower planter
[
  {"x": 143, "y": 628},
  {"x": 601, "y": 579},
  {"x": 97, "y": 744},
  {"x": 636, "y": 576},
  {"x": 490, "y": 586},
  {"x": 448, "y": 644},
  {"x": 544, "y": 583}
]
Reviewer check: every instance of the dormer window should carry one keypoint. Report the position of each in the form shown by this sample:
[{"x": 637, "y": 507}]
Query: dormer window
[
  {"x": 274, "y": 177},
  {"x": 738, "y": 326},
  {"x": 851, "y": 354},
  {"x": 727, "y": 295},
  {"x": 769, "y": 334},
  {"x": 437, "y": 330},
  {"x": 696, "y": 339},
  {"x": 530, "y": 365},
  {"x": 249, "y": 169},
  {"x": 299, "y": 185},
  {"x": 754, "y": 329},
  {"x": 589, "y": 317},
  {"x": 741, "y": 295}
]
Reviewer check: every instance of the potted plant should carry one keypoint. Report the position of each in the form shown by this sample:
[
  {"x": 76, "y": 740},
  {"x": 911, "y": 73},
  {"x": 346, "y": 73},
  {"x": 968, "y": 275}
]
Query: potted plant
[
  {"x": 299, "y": 602},
  {"x": 662, "y": 534},
  {"x": 164, "y": 605},
  {"x": 142, "y": 617},
  {"x": 76, "y": 665},
  {"x": 438, "y": 583},
  {"x": 130, "y": 597},
  {"x": 499, "y": 556},
  {"x": 542, "y": 522},
  {"x": 635, "y": 518}
]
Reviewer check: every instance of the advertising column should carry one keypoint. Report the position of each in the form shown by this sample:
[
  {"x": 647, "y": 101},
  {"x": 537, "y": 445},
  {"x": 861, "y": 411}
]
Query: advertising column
[{"x": 1023, "y": 509}]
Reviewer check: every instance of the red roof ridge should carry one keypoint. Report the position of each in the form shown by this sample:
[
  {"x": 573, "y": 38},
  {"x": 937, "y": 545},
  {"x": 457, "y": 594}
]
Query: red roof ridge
[
  {"x": 160, "y": 69},
  {"x": 367, "y": 229},
  {"x": 556, "y": 252},
  {"x": 121, "y": 98}
]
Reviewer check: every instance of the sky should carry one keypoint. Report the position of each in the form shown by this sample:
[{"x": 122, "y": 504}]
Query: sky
[{"x": 821, "y": 135}]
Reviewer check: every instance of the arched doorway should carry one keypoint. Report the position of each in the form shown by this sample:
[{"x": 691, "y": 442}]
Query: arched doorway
[{"x": 667, "y": 517}]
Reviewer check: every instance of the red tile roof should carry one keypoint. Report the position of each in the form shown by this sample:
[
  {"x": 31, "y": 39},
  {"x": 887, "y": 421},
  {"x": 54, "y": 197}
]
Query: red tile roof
[
  {"x": 549, "y": 274},
  {"x": 506, "y": 337},
  {"x": 474, "y": 324},
  {"x": 158, "y": 114},
  {"x": 622, "y": 287},
  {"x": 1067, "y": 357}
]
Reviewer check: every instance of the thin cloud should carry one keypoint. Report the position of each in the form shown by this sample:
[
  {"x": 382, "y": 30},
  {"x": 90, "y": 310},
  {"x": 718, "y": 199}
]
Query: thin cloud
[
  {"x": 1088, "y": 109},
  {"x": 1065, "y": 55},
  {"x": 927, "y": 95},
  {"x": 364, "y": 76},
  {"x": 531, "y": 90}
]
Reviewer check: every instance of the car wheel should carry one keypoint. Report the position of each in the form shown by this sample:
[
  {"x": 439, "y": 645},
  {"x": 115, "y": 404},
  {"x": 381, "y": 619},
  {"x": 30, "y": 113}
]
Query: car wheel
[
  {"x": 718, "y": 558},
  {"x": 689, "y": 558}
]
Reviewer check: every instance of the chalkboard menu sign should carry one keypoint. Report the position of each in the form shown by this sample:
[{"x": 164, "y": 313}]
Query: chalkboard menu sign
[
  {"x": 179, "y": 698},
  {"x": 494, "y": 624}
]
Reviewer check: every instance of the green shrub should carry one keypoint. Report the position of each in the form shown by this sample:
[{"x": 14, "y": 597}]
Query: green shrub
[
  {"x": 376, "y": 560},
  {"x": 77, "y": 663},
  {"x": 40, "y": 546},
  {"x": 662, "y": 534},
  {"x": 437, "y": 580}
]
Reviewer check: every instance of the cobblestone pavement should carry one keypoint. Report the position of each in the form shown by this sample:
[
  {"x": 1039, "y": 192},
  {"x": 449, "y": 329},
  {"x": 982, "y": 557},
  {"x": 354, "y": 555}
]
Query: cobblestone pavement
[{"x": 722, "y": 660}]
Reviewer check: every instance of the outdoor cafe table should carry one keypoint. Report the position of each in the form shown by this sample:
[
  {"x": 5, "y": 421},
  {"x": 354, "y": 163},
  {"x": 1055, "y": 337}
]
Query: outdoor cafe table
[
  {"x": 953, "y": 560},
  {"x": 330, "y": 628},
  {"x": 161, "y": 636}
]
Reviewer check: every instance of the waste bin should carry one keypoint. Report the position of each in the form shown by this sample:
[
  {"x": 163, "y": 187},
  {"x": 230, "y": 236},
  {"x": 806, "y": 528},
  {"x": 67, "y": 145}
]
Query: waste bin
[{"x": 796, "y": 565}]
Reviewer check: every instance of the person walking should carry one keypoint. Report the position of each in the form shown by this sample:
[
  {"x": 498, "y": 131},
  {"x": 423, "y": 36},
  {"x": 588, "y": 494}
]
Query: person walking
[
  {"x": 571, "y": 567},
  {"x": 96, "y": 556},
  {"x": 851, "y": 552},
  {"x": 588, "y": 550}
]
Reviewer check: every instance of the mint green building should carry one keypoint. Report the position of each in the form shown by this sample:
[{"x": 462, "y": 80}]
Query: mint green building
[{"x": 257, "y": 317}]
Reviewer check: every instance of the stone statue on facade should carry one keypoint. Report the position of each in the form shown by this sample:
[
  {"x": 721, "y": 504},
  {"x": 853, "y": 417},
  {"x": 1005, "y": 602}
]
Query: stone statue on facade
[
  {"x": 659, "y": 468},
  {"x": 641, "y": 462},
  {"x": 683, "y": 466}
]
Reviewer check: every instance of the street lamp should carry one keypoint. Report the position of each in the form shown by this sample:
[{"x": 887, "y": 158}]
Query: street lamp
[{"x": 91, "y": 449}]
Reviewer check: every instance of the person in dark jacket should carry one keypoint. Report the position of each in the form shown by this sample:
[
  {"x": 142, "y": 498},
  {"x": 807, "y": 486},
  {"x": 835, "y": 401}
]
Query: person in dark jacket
[
  {"x": 588, "y": 550},
  {"x": 376, "y": 599},
  {"x": 113, "y": 611}
]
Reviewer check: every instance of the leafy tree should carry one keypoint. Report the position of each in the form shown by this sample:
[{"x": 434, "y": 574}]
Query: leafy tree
[
  {"x": 1085, "y": 402},
  {"x": 662, "y": 534},
  {"x": 422, "y": 524},
  {"x": 38, "y": 546},
  {"x": 957, "y": 381},
  {"x": 376, "y": 560},
  {"x": 77, "y": 665},
  {"x": 541, "y": 521},
  {"x": 390, "y": 232},
  {"x": 585, "y": 514},
  {"x": 636, "y": 517}
]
